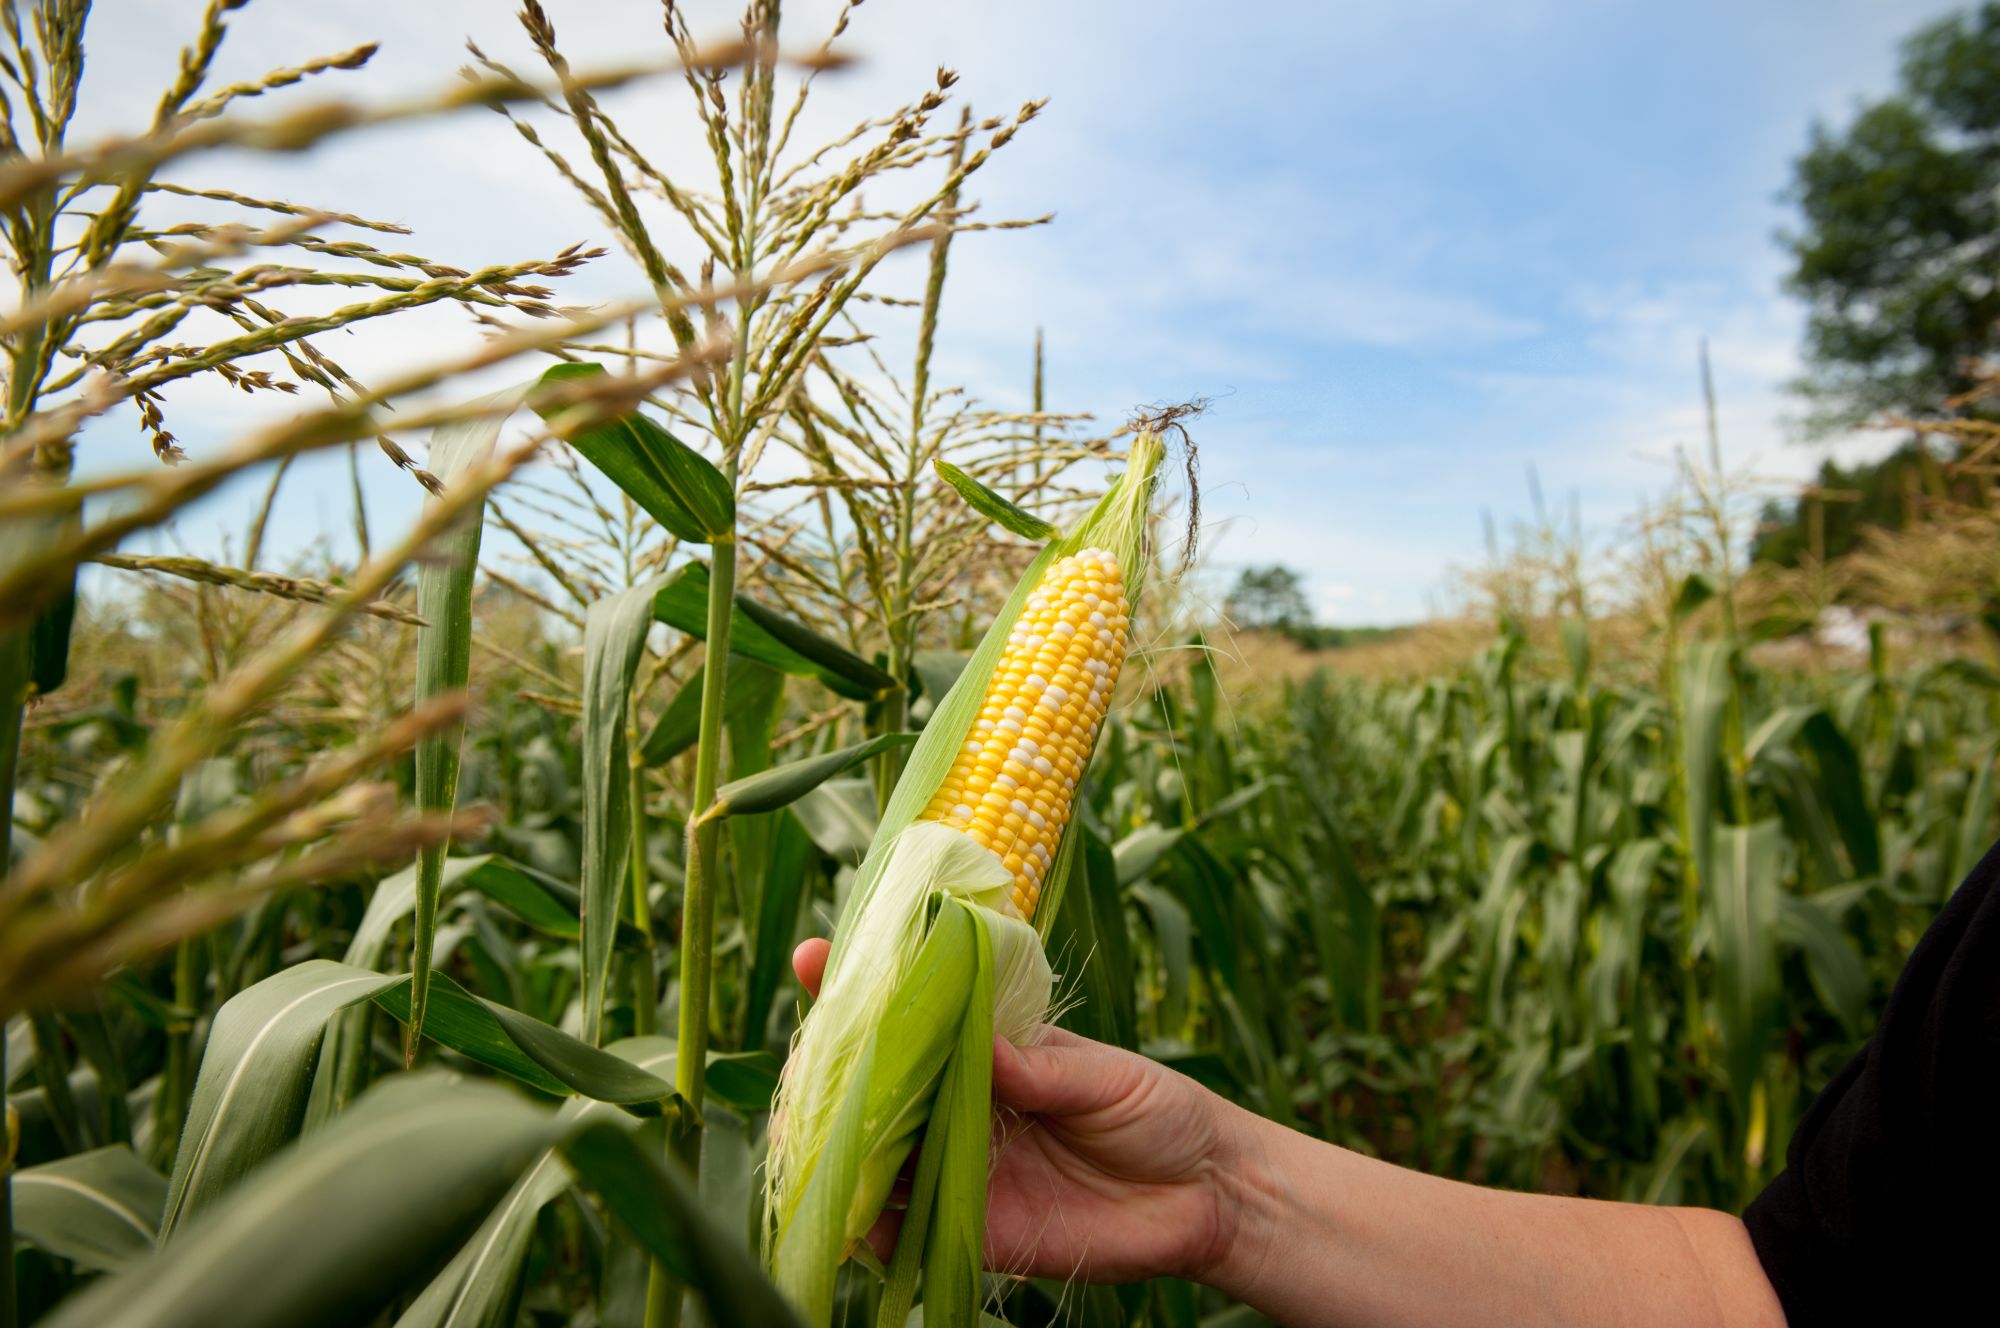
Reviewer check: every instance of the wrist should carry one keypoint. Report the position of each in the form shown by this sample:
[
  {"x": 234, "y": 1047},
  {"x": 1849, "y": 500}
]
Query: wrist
[{"x": 1251, "y": 1194}]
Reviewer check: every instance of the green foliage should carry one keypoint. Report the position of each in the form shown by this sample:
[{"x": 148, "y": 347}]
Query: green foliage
[
  {"x": 679, "y": 487},
  {"x": 1273, "y": 599},
  {"x": 1445, "y": 922},
  {"x": 1900, "y": 210},
  {"x": 1517, "y": 923},
  {"x": 769, "y": 637},
  {"x": 993, "y": 506},
  {"x": 1851, "y": 500},
  {"x": 98, "y": 1209},
  {"x": 614, "y": 638},
  {"x": 444, "y": 662},
  {"x": 1270, "y": 599},
  {"x": 1590, "y": 937}
]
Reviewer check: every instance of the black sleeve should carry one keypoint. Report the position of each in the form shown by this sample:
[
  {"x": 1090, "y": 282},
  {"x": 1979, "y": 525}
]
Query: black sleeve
[{"x": 1888, "y": 1210}]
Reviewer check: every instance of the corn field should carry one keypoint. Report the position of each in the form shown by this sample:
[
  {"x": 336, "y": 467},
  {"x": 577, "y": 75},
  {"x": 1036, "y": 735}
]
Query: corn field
[{"x": 408, "y": 941}]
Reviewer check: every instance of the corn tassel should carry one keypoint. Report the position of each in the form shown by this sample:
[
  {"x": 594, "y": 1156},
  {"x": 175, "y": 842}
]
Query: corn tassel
[{"x": 936, "y": 949}]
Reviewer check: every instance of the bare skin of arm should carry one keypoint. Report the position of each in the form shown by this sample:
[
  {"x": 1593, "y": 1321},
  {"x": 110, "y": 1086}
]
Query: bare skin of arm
[{"x": 1119, "y": 1168}]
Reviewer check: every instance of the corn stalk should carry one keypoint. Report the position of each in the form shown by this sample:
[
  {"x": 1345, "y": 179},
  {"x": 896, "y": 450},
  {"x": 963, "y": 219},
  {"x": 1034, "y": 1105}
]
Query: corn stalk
[{"x": 13, "y": 698}]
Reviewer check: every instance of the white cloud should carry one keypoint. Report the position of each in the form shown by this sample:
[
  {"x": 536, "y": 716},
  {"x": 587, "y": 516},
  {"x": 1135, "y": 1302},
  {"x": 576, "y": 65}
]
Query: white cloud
[{"x": 1390, "y": 239}]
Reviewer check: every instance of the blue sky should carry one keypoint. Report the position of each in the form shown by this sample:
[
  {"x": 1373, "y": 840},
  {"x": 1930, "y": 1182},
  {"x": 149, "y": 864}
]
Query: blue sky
[{"x": 1411, "y": 249}]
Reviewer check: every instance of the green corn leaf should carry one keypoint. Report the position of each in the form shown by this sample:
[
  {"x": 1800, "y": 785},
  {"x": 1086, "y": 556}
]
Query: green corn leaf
[
  {"x": 614, "y": 641},
  {"x": 251, "y": 1093},
  {"x": 1576, "y": 649},
  {"x": 1696, "y": 590},
  {"x": 1705, "y": 688},
  {"x": 732, "y": 1150},
  {"x": 1971, "y": 842},
  {"x": 476, "y": 1289},
  {"x": 1840, "y": 785},
  {"x": 752, "y": 733},
  {"x": 1144, "y": 849},
  {"x": 460, "y": 1022},
  {"x": 1111, "y": 951},
  {"x": 827, "y": 657},
  {"x": 207, "y": 788},
  {"x": 784, "y": 888},
  {"x": 1493, "y": 938},
  {"x": 49, "y": 639},
  {"x": 584, "y": 1068},
  {"x": 1779, "y": 730},
  {"x": 751, "y": 686},
  {"x": 1631, "y": 876},
  {"x": 1001, "y": 512},
  {"x": 1355, "y": 905},
  {"x": 743, "y": 1080},
  {"x": 658, "y": 1206},
  {"x": 1833, "y": 965},
  {"x": 1663, "y": 1186},
  {"x": 682, "y": 603},
  {"x": 1173, "y": 937},
  {"x": 1969, "y": 671},
  {"x": 255, "y": 1072},
  {"x": 839, "y": 816},
  {"x": 784, "y": 785},
  {"x": 1743, "y": 906},
  {"x": 936, "y": 671},
  {"x": 906, "y": 1264},
  {"x": 94, "y": 1038},
  {"x": 332, "y": 1230},
  {"x": 52, "y": 1054},
  {"x": 97, "y": 1209},
  {"x": 20, "y": 1049},
  {"x": 679, "y": 487},
  {"x": 1087, "y": 937},
  {"x": 547, "y": 905},
  {"x": 1206, "y": 895},
  {"x": 533, "y": 1052},
  {"x": 769, "y": 860},
  {"x": 444, "y": 661},
  {"x": 1223, "y": 808},
  {"x": 1056, "y": 888}
]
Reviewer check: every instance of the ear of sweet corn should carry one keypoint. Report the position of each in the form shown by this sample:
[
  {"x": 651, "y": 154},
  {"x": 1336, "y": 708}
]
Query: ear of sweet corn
[
  {"x": 1014, "y": 779},
  {"x": 972, "y": 837}
]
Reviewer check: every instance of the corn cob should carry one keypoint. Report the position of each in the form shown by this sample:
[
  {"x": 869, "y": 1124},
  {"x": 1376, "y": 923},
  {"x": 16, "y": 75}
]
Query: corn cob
[
  {"x": 1012, "y": 784},
  {"x": 935, "y": 951}
]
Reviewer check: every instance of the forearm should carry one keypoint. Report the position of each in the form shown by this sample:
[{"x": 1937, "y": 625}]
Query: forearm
[{"x": 1324, "y": 1236}]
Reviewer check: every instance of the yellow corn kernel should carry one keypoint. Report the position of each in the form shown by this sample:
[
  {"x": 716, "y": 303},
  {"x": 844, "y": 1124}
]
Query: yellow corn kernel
[{"x": 1015, "y": 775}]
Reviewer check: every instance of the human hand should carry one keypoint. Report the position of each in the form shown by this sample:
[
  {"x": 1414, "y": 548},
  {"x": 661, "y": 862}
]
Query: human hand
[{"x": 1111, "y": 1167}]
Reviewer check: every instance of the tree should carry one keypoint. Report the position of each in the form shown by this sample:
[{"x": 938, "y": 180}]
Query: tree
[
  {"x": 1897, "y": 256},
  {"x": 1271, "y": 599},
  {"x": 1827, "y": 520}
]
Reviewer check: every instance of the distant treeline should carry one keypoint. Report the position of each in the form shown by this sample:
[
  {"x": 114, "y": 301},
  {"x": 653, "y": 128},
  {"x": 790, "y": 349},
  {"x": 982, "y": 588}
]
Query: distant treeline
[
  {"x": 1273, "y": 599},
  {"x": 1323, "y": 637},
  {"x": 1828, "y": 519}
]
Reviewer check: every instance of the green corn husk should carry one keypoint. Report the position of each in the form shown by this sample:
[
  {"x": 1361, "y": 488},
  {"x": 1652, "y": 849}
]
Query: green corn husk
[{"x": 925, "y": 969}]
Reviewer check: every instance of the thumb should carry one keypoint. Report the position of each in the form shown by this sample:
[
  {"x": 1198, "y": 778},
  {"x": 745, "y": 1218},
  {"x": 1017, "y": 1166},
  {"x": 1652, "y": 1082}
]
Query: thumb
[
  {"x": 1067, "y": 1078},
  {"x": 809, "y": 962}
]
